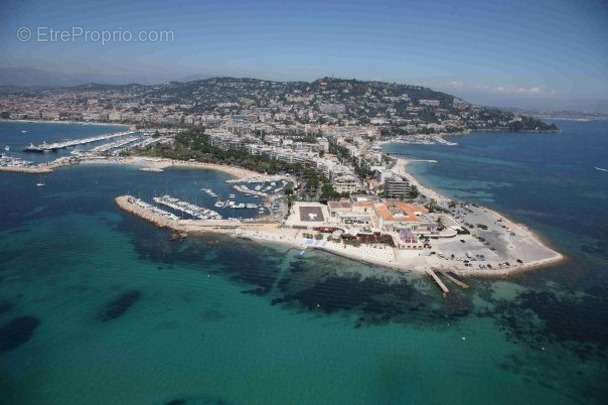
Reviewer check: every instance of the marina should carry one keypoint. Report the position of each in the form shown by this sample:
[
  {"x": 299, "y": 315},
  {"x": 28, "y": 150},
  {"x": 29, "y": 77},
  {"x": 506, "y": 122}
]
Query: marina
[
  {"x": 153, "y": 209},
  {"x": 194, "y": 211},
  {"x": 259, "y": 189},
  {"x": 13, "y": 162},
  {"x": 55, "y": 146},
  {"x": 113, "y": 145},
  {"x": 239, "y": 206},
  {"x": 247, "y": 191}
]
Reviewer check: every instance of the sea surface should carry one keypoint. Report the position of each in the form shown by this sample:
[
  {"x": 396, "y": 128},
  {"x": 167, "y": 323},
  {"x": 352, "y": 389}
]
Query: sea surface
[{"x": 99, "y": 307}]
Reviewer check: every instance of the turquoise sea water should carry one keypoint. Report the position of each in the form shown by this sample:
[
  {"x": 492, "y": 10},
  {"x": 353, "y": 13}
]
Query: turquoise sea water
[{"x": 99, "y": 307}]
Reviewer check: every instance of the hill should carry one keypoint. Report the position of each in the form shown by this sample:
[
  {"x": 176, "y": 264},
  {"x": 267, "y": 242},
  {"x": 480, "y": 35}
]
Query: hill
[{"x": 396, "y": 109}]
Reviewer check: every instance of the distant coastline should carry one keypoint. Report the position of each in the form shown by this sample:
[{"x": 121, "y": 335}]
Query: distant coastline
[
  {"x": 574, "y": 119},
  {"x": 69, "y": 122}
]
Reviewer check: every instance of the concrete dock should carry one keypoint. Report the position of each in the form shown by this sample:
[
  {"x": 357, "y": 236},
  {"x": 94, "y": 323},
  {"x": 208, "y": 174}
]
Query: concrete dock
[
  {"x": 455, "y": 280},
  {"x": 431, "y": 273},
  {"x": 165, "y": 219}
]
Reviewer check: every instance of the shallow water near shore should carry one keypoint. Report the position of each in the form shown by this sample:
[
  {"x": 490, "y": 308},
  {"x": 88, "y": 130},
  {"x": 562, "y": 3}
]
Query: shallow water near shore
[{"x": 99, "y": 307}]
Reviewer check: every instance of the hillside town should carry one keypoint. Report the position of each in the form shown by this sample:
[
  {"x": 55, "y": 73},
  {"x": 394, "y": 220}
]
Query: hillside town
[
  {"x": 335, "y": 127},
  {"x": 383, "y": 110}
]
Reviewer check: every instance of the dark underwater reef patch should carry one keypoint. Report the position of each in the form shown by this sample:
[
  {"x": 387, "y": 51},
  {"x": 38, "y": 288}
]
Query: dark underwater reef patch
[
  {"x": 249, "y": 264},
  {"x": 17, "y": 332},
  {"x": 600, "y": 249},
  {"x": 117, "y": 307},
  {"x": 374, "y": 300},
  {"x": 154, "y": 246},
  {"x": 581, "y": 320},
  {"x": 242, "y": 261},
  {"x": 542, "y": 318},
  {"x": 314, "y": 284},
  {"x": 598, "y": 289},
  {"x": 5, "y": 306},
  {"x": 557, "y": 373}
]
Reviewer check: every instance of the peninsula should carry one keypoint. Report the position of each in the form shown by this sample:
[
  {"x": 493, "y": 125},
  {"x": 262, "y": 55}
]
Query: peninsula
[{"x": 314, "y": 151}]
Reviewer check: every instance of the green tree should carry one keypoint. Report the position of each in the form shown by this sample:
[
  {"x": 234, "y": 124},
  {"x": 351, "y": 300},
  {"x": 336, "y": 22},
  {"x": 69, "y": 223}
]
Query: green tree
[
  {"x": 413, "y": 193},
  {"x": 432, "y": 205}
]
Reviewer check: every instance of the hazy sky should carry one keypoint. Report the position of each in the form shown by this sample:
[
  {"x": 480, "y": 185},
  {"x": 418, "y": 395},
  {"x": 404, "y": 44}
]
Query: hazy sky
[{"x": 524, "y": 53}]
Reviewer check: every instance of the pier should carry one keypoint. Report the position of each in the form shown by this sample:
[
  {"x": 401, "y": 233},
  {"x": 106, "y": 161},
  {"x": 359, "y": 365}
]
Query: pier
[
  {"x": 165, "y": 219},
  {"x": 431, "y": 273},
  {"x": 247, "y": 191},
  {"x": 148, "y": 212},
  {"x": 53, "y": 147},
  {"x": 450, "y": 276}
]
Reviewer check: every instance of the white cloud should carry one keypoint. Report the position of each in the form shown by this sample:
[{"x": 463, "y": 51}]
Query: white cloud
[
  {"x": 529, "y": 90},
  {"x": 456, "y": 85},
  {"x": 501, "y": 89}
]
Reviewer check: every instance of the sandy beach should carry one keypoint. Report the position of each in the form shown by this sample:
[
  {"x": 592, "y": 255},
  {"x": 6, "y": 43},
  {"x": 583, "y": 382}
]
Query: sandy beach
[
  {"x": 146, "y": 164},
  {"x": 161, "y": 164}
]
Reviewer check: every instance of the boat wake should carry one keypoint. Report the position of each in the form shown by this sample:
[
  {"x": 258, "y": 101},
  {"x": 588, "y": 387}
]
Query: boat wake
[{"x": 601, "y": 169}]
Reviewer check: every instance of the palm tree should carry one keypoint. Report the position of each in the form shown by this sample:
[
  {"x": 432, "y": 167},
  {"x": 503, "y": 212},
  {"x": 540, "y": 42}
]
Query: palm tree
[{"x": 440, "y": 224}]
